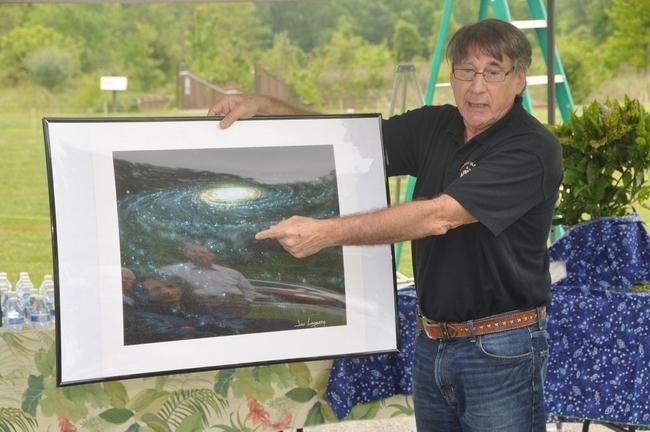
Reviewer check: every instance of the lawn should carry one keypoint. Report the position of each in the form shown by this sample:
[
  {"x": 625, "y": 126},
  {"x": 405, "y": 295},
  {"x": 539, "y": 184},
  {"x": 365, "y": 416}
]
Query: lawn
[{"x": 25, "y": 238}]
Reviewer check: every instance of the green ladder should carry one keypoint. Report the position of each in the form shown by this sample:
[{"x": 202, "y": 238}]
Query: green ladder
[{"x": 537, "y": 21}]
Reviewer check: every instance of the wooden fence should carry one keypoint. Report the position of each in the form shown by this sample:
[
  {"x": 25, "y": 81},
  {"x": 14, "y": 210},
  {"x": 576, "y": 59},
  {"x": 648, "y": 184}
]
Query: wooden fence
[{"x": 195, "y": 92}]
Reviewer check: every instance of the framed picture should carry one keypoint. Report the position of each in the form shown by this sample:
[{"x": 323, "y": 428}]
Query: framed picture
[{"x": 155, "y": 259}]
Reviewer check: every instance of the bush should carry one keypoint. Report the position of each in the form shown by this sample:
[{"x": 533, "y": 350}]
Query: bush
[
  {"x": 49, "y": 66},
  {"x": 606, "y": 158}
]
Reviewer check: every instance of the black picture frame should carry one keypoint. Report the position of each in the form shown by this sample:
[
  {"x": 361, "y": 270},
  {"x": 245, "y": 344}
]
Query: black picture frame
[{"x": 138, "y": 193}]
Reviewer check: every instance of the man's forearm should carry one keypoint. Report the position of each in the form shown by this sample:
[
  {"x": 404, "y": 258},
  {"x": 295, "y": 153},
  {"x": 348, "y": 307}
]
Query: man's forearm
[
  {"x": 408, "y": 221},
  {"x": 303, "y": 236}
]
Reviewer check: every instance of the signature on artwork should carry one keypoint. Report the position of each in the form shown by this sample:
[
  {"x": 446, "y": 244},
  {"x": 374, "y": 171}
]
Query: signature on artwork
[{"x": 310, "y": 323}]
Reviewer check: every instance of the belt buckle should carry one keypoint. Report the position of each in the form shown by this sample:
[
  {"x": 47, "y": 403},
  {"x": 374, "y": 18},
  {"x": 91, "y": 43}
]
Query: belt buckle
[{"x": 445, "y": 331}]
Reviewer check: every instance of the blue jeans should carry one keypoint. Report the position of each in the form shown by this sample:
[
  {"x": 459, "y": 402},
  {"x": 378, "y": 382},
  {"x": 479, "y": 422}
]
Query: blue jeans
[{"x": 487, "y": 383}]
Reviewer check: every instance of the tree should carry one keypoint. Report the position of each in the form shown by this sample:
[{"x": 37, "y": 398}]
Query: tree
[
  {"x": 49, "y": 66},
  {"x": 348, "y": 67},
  {"x": 90, "y": 26},
  {"x": 406, "y": 41},
  {"x": 224, "y": 41},
  {"x": 289, "y": 61},
  {"x": 629, "y": 42},
  {"x": 373, "y": 20},
  {"x": 582, "y": 66},
  {"x": 16, "y": 44},
  {"x": 308, "y": 23}
]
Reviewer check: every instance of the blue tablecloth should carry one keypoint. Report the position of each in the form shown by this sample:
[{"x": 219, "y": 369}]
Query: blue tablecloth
[
  {"x": 370, "y": 378},
  {"x": 599, "y": 333}
]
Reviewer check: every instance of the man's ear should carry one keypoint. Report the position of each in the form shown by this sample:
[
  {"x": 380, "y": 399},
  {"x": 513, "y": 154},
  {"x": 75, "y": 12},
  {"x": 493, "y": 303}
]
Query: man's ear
[{"x": 521, "y": 84}]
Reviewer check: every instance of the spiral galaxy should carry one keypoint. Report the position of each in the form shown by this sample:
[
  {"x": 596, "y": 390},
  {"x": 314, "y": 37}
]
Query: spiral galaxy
[{"x": 160, "y": 208}]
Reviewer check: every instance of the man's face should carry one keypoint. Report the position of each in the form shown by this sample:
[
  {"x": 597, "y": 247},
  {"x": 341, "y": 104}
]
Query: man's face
[
  {"x": 483, "y": 103},
  {"x": 199, "y": 255},
  {"x": 128, "y": 278},
  {"x": 160, "y": 291}
]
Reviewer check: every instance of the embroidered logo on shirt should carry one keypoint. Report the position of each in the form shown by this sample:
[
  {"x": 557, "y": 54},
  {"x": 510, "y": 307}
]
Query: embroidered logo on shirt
[{"x": 466, "y": 168}]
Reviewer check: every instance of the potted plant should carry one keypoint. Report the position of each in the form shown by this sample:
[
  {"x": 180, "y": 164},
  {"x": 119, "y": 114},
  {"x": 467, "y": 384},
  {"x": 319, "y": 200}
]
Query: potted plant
[
  {"x": 606, "y": 152},
  {"x": 606, "y": 160}
]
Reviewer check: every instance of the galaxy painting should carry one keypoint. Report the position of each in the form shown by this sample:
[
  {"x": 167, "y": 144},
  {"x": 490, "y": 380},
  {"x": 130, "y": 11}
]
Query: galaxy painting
[
  {"x": 191, "y": 267},
  {"x": 155, "y": 261}
]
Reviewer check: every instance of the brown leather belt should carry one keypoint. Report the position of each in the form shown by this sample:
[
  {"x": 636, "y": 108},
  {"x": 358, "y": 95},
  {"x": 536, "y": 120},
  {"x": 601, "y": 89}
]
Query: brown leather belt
[{"x": 448, "y": 330}]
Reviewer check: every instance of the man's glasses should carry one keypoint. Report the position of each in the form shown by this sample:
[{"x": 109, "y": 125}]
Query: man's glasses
[{"x": 489, "y": 75}]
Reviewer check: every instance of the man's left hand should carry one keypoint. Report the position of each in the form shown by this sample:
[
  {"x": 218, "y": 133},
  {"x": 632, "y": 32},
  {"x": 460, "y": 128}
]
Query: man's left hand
[{"x": 300, "y": 236}]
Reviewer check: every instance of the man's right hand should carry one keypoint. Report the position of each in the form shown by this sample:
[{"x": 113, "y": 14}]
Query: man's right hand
[{"x": 235, "y": 107}]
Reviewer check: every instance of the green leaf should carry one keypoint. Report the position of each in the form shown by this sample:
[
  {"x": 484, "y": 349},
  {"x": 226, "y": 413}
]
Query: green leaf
[
  {"x": 91, "y": 393},
  {"x": 226, "y": 428},
  {"x": 314, "y": 416},
  {"x": 222, "y": 381},
  {"x": 33, "y": 393},
  {"x": 116, "y": 415},
  {"x": 301, "y": 373},
  {"x": 160, "y": 382},
  {"x": 269, "y": 374},
  {"x": 328, "y": 413},
  {"x": 45, "y": 361},
  {"x": 14, "y": 420},
  {"x": 364, "y": 411},
  {"x": 148, "y": 401},
  {"x": 301, "y": 394},
  {"x": 117, "y": 392},
  {"x": 192, "y": 423},
  {"x": 154, "y": 422},
  {"x": 56, "y": 404},
  {"x": 401, "y": 410},
  {"x": 135, "y": 427},
  {"x": 245, "y": 383},
  {"x": 592, "y": 173}
]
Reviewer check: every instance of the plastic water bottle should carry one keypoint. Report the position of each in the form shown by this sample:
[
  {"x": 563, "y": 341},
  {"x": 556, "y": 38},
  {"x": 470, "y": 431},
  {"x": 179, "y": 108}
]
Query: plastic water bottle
[
  {"x": 4, "y": 280},
  {"x": 50, "y": 302},
  {"x": 33, "y": 294},
  {"x": 48, "y": 281},
  {"x": 40, "y": 314},
  {"x": 13, "y": 314},
  {"x": 23, "y": 278},
  {"x": 3, "y": 296},
  {"x": 4, "y": 289},
  {"x": 24, "y": 293},
  {"x": 47, "y": 291}
]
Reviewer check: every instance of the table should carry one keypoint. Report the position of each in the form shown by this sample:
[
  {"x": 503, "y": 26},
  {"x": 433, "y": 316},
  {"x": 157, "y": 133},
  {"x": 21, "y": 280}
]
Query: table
[{"x": 269, "y": 398}]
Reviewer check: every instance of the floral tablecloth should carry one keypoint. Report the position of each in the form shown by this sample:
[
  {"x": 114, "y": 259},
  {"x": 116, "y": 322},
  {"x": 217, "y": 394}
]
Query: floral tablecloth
[{"x": 262, "y": 398}]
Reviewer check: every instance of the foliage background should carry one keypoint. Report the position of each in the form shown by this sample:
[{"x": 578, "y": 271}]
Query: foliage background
[
  {"x": 333, "y": 54},
  {"x": 336, "y": 56}
]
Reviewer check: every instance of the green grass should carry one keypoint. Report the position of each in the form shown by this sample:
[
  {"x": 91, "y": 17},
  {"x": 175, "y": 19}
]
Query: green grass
[
  {"x": 25, "y": 242},
  {"x": 25, "y": 238}
]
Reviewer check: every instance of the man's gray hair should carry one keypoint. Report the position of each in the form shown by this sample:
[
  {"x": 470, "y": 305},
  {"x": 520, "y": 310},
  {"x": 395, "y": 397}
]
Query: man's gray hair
[{"x": 493, "y": 37}]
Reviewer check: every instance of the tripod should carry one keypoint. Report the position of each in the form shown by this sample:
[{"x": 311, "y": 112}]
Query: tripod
[{"x": 403, "y": 74}]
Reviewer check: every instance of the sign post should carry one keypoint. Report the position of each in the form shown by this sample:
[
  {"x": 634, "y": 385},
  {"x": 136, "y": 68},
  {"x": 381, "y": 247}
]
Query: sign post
[{"x": 114, "y": 84}]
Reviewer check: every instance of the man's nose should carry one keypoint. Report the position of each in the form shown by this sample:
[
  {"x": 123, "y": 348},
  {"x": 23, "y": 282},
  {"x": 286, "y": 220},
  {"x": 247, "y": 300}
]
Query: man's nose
[{"x": 478, "y": 83}]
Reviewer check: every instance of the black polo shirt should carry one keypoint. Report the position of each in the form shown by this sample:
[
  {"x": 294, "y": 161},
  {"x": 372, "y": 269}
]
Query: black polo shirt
[{"x": 507, "y": 177}]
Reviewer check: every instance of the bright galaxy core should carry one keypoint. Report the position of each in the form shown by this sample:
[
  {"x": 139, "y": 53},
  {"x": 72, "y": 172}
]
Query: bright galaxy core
[{"x": 225, "y": 195}]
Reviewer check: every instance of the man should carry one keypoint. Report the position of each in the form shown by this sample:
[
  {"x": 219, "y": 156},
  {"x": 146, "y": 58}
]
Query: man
[
  {"x": 487, "y": 180},
  {"x": 128, "y": 301},
  {"x": 213, "y": 285},
  {"x": 163, "y": 314}
]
